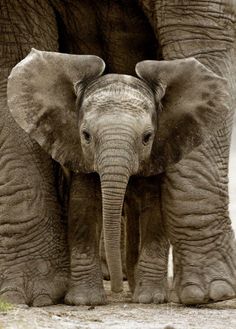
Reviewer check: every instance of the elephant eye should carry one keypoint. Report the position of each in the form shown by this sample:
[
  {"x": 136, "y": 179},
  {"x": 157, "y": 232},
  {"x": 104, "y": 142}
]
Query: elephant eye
[
  {"x": 86, "y": 136},
  {"x": 146, "y": 138}
]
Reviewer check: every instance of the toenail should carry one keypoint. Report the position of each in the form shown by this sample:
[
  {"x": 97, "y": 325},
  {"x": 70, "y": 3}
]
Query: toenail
[
  {"x": 192, "y": 295},
  {"x": 221, "y": 290}
]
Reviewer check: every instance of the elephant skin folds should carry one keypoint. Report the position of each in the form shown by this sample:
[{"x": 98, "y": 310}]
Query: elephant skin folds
[{"x": 178, "y": 131}]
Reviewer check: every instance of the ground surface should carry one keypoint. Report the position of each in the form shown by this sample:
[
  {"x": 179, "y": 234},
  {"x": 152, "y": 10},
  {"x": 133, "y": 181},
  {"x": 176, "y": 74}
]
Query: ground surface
[{"x": 120, "y": 313}]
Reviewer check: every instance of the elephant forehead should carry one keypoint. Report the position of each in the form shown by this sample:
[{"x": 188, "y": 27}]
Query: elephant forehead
[
  {"x": 120, "y": 94},
  {"x": 114, "y": 93},
  {"x": 119, "y": 86},
  {"x": 112, "y": 103}
]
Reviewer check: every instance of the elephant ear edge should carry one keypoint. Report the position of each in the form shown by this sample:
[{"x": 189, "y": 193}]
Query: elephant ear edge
[
  {"x": 41, "y": 98},
  {"x": 194, "y": 103}
]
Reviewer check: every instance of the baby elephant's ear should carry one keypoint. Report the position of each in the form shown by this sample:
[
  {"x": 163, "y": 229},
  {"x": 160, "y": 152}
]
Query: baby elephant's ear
[
  {"x": 192, "y": 104},
  {"x": 41, "y": 98}
]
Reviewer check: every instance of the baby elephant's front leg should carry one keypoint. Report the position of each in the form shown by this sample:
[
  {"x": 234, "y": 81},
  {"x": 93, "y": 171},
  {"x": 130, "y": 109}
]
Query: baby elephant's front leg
[
  {"x": 151, "y": 271},
  {"x": 150, "y": 265},
  {"x": 85, "y": 218}
]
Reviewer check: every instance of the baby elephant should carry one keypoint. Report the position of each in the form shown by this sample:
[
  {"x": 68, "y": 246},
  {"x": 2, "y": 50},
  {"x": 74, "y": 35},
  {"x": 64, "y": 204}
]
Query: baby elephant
[{"x": 117, "y": 133}]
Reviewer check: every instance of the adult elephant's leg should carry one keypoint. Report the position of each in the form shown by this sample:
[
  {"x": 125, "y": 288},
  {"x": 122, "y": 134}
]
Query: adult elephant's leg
[
  {"x": 196, "y": 208},
  {"x": 85, "y": 220},
  {"x": 195, "y": 193},
  {"x": 33, "y": 258},
  {"x": 150, "y": 275}
]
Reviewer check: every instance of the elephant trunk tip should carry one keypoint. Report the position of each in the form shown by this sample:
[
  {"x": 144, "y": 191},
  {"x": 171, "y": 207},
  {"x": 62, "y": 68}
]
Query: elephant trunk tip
[{"x": 116, "y": 273}]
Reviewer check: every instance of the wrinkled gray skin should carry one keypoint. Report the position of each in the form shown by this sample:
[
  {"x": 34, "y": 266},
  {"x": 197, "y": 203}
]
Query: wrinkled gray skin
[
  {"x": 199, "y": 228},
  {"x": 116, "y": 126},
  {"x": 195, "y": 192}
]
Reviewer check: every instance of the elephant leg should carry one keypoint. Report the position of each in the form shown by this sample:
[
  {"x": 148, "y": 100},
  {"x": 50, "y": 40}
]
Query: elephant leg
[
  {"x": 132, "y": 212},
  {"x": 195, "y": 205},
  {"x": 195, "y": 192},
  {"x": 123, "y": 246},
  {"x": 33, "y": 249},
  {"x": 85, "y": 220},
  {"x": 105, "y": 270},
  {"x": 150, "y": 276}
]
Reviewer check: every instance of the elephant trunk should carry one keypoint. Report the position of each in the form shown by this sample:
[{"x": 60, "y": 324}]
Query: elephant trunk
[
  {"x": 113, "y": 197},
  {"x": 115, "y": 167}
]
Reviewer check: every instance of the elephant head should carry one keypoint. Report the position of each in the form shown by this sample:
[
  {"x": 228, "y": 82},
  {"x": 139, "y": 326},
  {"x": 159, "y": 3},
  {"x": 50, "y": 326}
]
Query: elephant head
[{"x": 115, "y": 125}]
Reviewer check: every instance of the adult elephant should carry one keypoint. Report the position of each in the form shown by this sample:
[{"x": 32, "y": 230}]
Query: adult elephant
[{"x": 195, "y": 191}]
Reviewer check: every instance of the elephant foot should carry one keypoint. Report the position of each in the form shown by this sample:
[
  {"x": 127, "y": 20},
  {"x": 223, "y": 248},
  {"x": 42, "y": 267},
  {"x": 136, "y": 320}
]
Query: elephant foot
[
  {"x": 149, "y": 295},
  {"x": 148, "y": 292},
  {"x": 86, "y": 296},
  {"x": 209, "y": 278},
  {"x": 49, "y": 292},
  {"x": 150, "y": 275},
  {"x": 193, "y": 294},
  {"x": 34, "y": 292},
  {"x": 13, "y": 296}
]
